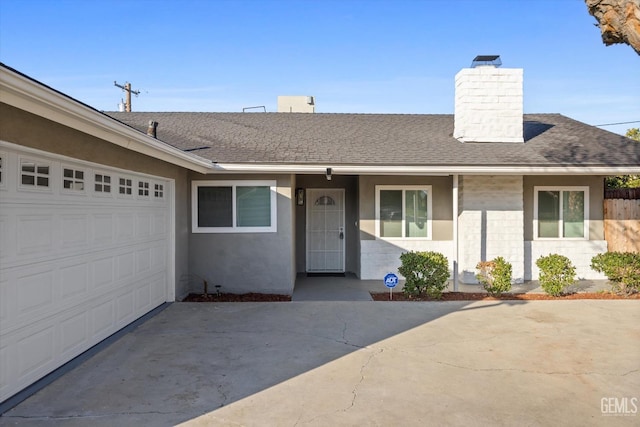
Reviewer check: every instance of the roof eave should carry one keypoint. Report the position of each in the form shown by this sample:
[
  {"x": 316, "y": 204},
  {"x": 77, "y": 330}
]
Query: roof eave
[
  {"x": 336, "y": 169},
  {"x": 31, "y": 96}
]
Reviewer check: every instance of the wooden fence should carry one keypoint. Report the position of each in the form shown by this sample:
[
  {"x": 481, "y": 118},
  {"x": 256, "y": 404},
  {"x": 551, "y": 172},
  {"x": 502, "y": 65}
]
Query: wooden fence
[
  {"x": 622, "y": 193},
  {"x": 622, "y": 225}
]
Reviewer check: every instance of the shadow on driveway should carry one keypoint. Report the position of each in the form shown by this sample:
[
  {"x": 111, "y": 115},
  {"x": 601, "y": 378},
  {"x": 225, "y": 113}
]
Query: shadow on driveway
[{"x": 355, "y": 363}]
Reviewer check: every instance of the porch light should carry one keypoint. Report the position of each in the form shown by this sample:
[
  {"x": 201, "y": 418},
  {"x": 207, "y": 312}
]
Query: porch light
[{"x": 328, "y": 174}]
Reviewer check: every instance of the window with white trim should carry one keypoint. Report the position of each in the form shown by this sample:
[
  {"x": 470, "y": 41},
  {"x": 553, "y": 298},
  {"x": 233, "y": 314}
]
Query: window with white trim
[
  {"x": 34, "y": 174},
  {"x": 143, "y": 188},
  {"x": 561, "y": 212},
  {"x": 158, "y": 191},
  {"x": 233, "y": 206},
  {"x": 403, "y": 212},
  {"x": 102, "y": 183},
  {"x": 125, "y": 187},
  {"x": 72, "y": 179}
]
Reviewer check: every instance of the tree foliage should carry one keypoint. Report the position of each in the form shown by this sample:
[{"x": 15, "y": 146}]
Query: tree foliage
[
  {"x": 633, "y": 133},
  {"x": 625, "y": 181}
]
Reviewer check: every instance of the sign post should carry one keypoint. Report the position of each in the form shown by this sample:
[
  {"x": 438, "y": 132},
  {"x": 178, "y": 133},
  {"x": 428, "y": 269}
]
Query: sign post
[{"x": 390, "y": 281}]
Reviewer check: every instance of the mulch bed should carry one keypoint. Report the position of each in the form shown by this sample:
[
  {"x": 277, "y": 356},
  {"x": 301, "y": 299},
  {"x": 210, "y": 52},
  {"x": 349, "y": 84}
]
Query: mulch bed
[
  {"x": 481, "y": 296},
  {"x": 225, "y": 297},
  {"x": 399, "y": 296}
]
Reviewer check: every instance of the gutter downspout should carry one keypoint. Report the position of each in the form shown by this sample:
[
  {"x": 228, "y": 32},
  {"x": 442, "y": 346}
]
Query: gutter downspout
[{"x": 455, "y": 232}]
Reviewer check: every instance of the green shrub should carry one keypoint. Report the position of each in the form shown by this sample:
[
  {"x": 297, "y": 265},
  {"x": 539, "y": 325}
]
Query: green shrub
[
  {"x": 622, "y": 268},
  {"x": 556, "y": 273},
  {"x": 425, "y": 273},
  {"x": 494, "y": 276}
]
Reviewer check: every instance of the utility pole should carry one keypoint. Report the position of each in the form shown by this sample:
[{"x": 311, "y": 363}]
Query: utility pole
[{"x": 127, "y": 88}]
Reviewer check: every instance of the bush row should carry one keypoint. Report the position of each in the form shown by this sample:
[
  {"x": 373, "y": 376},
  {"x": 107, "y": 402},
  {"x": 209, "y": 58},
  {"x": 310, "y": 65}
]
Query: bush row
[{"x": 426, "y": 273}]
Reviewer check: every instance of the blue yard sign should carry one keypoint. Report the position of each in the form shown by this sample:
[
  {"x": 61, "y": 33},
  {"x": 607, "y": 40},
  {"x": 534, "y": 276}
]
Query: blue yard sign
[{"x": 390, "y": 280}]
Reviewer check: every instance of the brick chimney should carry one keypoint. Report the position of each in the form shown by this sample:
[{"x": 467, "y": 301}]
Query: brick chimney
[{"x": 488, "y": 102}]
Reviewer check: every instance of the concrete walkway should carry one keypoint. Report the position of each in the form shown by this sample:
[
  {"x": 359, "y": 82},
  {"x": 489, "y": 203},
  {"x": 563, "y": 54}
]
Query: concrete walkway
[{"x": 535, "y": 363}]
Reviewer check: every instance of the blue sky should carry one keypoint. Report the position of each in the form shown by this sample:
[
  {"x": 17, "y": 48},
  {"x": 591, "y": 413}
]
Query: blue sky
[{"x": 354, "y": 56}]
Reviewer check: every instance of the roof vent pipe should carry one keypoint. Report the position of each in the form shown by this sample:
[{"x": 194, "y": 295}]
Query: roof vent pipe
[{"x": 152, "y": 129}]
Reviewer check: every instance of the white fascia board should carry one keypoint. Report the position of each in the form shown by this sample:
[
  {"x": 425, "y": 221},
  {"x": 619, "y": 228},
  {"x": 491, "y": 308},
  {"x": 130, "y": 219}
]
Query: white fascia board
[
  {"x": 423, "y": 170},
  {"x": 25, "y": 94}
]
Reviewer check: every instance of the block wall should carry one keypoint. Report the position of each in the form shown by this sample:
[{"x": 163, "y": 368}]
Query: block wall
[
  {"x": 489, "y": 105},
  {"x": 490, "y": 223}
]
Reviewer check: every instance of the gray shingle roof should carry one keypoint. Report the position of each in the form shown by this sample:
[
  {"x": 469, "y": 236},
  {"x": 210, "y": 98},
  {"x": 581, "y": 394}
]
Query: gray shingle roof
[{"x": 380, "y": 139}]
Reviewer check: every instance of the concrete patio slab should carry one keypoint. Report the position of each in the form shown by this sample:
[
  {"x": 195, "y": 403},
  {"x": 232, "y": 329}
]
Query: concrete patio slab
[{"x": 358, "y": 363}]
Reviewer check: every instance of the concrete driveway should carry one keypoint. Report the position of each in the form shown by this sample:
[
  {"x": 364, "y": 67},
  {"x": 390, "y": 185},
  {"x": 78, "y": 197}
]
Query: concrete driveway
[{"x": 359, "y": 363}]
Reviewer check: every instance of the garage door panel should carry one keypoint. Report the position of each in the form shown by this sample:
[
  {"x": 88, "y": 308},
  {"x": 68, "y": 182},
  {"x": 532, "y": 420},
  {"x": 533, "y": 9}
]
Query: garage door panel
[
  {"x": 35, "y": 293},
  {"x": 143, "y": 297},
  {"x": 158, "y": 259},
  {"x": 124, "y": 308},
  {"x": 35, "y": 234},
  {"x": 102, "y": 230},
  {"x": 124, "y": 227},
  {"x": 143, "y": 260},
  {"x": 76, "y": 266},
  {"x": 73, "y": 334},
  {"x": 74, "y": 231},
  {"x": 7, "y": 236},
  {"x": 74, "y": 280},
  {"x": 157, "y": 289},
  {"x": 6, "y": 379},
  {"x": 36, "y": 353},
  {"x": 103, "y": 320},
  {"x": 103, "y": 272},
  {"x": 125, "y": 266},
  {"x": 31, "y": 293},
  {"x": 159, "y": 224},
  {"x": 143, "y": 226}
]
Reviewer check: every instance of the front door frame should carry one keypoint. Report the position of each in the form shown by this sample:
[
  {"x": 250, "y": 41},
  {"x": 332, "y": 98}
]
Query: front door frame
[{"x": 310, "y": 200}]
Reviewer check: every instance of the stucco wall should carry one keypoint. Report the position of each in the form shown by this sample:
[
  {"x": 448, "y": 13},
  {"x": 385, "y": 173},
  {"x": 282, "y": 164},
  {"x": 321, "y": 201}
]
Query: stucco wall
[
  {"x": 378, "y": 256},
  {"x": 248, "y": 262},
  {"x": 33, "y": 131},
  {"x": 442, "y": 204},
  {"x": 579, "y": 252},
  {"x": 596, "y": 200}
]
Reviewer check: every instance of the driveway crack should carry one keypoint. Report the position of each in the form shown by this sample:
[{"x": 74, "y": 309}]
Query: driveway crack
[{"x": 364, "y": 366}]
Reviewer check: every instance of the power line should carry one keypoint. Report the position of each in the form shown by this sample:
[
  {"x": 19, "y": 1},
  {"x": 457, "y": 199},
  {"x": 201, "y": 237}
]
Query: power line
[{"x": 620, "y": 123}]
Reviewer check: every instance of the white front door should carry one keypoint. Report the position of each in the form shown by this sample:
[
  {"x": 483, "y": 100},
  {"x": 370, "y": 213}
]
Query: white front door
[{"x": 325, "y": 230}]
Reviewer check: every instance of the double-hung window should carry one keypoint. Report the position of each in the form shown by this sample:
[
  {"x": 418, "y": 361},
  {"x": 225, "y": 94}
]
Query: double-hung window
[
  {"x": 403, "y": 212},
  {"x": 561, "y": 212},
  {"x": 233, "y": 206}
]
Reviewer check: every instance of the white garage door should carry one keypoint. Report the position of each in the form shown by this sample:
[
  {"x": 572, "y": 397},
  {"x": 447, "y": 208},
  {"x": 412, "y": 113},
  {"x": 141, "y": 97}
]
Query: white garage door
[{"x": 85, "y": 250}]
